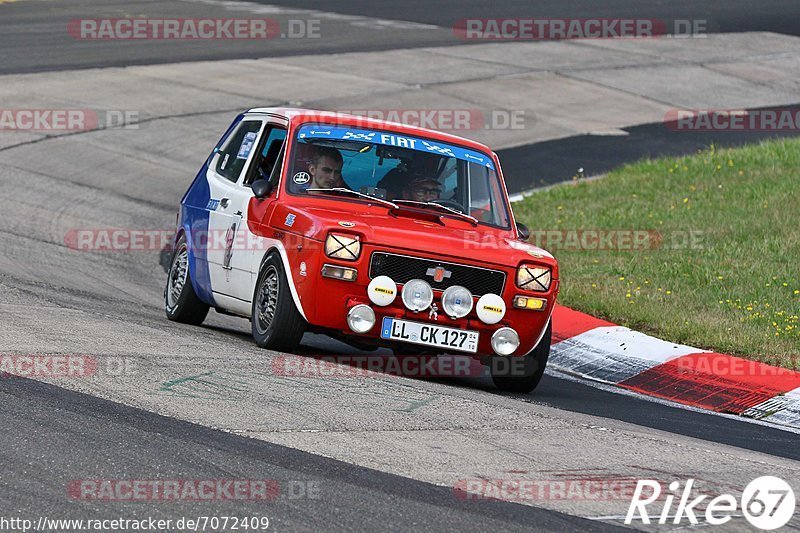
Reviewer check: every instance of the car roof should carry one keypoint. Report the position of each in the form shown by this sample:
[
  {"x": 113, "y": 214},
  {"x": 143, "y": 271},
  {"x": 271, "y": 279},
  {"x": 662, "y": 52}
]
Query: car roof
[{"x": 298, "y": 115}]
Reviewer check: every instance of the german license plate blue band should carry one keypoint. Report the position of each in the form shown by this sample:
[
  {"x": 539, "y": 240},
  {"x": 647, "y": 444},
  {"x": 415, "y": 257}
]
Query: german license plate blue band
[{"x": 386, "y": 328}]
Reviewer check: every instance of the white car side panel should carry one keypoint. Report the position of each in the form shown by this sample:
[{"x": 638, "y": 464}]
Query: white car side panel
[
  {"x": 248, "y": 286},
  {"x": 233, "y": 305},
  {"x": 234, "y": 287},
  {"x": 231, "y": 279}
]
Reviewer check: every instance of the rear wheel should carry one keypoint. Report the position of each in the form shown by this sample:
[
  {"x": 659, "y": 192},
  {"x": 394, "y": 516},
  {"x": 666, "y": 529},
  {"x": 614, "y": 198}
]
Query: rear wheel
[
  {"x": 181, "y": 303},
  {"x": 276, "y": 322},
  {"x": 522, "y": 374}
]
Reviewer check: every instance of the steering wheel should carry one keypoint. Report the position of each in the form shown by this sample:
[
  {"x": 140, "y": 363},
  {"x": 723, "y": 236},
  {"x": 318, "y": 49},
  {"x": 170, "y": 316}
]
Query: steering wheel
[{"x": 450, "y": 203}]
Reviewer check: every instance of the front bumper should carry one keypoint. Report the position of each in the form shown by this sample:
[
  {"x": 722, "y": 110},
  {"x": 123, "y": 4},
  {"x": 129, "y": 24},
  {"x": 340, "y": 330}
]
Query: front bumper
[
  {"x": 529, "y": 330},
  {"x": 334, "y": 298}
]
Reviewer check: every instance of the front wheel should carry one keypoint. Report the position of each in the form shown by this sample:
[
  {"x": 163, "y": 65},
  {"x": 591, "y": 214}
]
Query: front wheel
[
  {"x": 522, "y": 374},
  {"x": 181, "y": 303},
  {"x": 276, "y": 322}
]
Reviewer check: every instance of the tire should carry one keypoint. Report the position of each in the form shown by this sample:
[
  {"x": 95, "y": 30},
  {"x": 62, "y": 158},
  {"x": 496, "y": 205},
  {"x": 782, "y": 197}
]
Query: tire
[
  {"x": 276, "y": 323},
  {"x": 525, "y": 377},
  {"x": 181, "y": 303}
]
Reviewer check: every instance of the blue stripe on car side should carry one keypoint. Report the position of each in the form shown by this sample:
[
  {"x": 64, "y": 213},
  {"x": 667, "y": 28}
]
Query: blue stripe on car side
[{"x": 194, "y": 214}]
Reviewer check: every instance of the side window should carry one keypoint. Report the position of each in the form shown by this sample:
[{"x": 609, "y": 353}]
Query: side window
[
  {"x": 486, "y": 196},
  {"x": 274, "y": 135},
  {"x": 479, "y": 189},
  {"x": 233, "y": 156},
  {"x": 267, "y": 159}
]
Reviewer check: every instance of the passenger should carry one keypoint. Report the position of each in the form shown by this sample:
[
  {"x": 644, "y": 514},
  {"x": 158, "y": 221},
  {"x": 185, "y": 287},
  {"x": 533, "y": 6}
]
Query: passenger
[
  {"x": 422, "y": 189},
  {"x": 411, "y": 170}
]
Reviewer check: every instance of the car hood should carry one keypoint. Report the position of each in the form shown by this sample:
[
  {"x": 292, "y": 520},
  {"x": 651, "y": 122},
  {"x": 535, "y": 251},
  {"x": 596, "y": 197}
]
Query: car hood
[{"x": 409, "y": 231}]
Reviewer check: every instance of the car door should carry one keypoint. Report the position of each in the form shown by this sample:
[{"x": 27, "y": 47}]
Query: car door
[
  {"x": 240, "y": 252},
  {"x": 236, "y": 166},
  {"x": 228, "y": 206}
]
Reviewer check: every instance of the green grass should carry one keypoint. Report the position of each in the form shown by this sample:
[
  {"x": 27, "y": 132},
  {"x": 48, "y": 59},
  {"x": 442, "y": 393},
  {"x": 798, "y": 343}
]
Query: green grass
[{"x": 736, "y": 290}]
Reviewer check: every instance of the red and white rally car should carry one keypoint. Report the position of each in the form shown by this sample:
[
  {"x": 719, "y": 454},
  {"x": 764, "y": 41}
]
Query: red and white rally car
[{"x": 376, "y": 233}]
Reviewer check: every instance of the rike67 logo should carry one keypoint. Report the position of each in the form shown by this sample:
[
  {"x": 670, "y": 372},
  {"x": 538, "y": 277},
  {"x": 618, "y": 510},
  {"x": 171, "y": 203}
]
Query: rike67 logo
[{"x": 767, "y": 503}]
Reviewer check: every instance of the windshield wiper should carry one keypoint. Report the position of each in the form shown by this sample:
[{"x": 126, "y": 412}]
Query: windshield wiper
[
  {"x": 356, "y": 193},
  {"x": 394, "y": 205},
  {"x": 450, "y": 210}
]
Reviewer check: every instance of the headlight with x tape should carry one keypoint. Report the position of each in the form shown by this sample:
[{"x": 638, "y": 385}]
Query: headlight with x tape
[
  {"x": 533, "y": 278},
  {"x": 340, "y": 246}
]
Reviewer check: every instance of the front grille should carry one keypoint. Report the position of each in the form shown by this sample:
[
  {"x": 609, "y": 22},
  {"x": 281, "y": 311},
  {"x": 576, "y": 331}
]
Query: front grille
[{"x": 402, "y": 268}]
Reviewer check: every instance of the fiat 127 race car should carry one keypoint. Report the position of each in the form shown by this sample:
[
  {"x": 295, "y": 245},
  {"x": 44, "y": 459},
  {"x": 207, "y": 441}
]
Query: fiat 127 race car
[{"x": 376, "y": 233}]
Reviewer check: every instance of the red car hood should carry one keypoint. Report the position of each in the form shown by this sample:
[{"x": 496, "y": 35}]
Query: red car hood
[{"x": 412, "y": 232}]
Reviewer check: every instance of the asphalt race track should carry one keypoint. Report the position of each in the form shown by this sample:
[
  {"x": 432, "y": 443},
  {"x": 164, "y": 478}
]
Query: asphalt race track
[
  {"x": 168, "y": 401},
  {"x": 318, "y": 493},
  {"x": 43, "y": 45}
]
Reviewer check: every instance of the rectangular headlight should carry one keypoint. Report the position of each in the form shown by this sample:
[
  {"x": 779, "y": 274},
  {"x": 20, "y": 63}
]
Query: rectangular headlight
[
  {"x": 533, "y": 278},
  {"x": 340, "y": 246}
]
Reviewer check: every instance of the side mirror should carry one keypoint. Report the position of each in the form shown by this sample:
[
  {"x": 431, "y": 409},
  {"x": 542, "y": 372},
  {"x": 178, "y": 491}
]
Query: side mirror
[
  {"x": 262, "y": 188},
  {"x": 524, "y": 232}
]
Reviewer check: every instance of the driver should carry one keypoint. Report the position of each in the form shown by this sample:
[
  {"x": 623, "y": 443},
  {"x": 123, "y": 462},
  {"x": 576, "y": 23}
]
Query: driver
[
  {"x": 325, "y": 168},
  {"x": 422, "y": 189}
]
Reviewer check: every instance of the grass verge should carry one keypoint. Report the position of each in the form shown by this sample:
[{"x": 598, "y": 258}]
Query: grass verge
[{"x": 701, "y": 250}]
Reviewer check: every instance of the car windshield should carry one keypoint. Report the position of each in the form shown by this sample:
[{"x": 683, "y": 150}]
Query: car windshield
[{"x": 399, "y": 168}]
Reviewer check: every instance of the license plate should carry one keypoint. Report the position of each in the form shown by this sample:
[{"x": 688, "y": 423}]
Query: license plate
[{"x": 429, "y": 335}]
